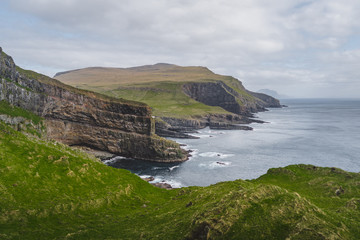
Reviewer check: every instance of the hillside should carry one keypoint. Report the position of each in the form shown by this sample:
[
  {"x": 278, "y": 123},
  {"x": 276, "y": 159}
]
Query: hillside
[
  {"x": 50, "y": 191},
  {"x": 182, "y": 98},
  {"x": 86, "y": 119}
]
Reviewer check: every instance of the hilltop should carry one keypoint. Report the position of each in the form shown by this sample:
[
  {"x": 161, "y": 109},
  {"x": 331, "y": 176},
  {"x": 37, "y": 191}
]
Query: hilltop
[{"x": 182, "y": 98}]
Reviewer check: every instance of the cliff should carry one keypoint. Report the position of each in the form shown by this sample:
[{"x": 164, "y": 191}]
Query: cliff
[
  {"x": 82, "y": 118},
  {"x": 182, "y": 98},
  {"x": 231, "y": 99}
]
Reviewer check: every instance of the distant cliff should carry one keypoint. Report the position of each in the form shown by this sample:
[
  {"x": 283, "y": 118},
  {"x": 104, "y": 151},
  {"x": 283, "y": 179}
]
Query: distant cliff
[
  {"x": 83, "y": 118},
  {"x": 222, "y": 95},
  {"x": 182, "y": 98}
]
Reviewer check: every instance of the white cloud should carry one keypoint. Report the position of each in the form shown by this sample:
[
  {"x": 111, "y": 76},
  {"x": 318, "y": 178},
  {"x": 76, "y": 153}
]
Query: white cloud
[{"x": 290, "y": 45}]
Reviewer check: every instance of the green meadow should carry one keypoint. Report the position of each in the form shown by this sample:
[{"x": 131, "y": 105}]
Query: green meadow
[{"x": 51, "y": 191}]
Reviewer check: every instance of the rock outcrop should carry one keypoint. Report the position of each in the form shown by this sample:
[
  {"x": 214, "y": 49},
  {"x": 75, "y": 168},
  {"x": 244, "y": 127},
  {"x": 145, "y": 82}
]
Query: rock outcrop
[
  {"x": 220, "y": 94},
  {"x": 22, "y": 124},
  {"x": 83, "y": 118},
  {"x": 267, "y": 101},
  {"x": 182, "y": 128}
]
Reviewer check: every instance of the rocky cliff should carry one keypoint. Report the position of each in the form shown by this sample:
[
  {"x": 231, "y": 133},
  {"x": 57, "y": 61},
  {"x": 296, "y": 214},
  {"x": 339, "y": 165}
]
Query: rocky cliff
[
  {"x": 83, "y": 118},
  {"x": 182, "y": 98},
  {"x": 242, "y": 104},
  {"x": 222, "y": 95}
]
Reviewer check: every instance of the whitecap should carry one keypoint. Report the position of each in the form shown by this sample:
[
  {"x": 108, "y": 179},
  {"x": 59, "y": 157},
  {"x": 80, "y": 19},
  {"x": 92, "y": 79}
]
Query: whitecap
[
  {"x": 222, "y": 156},
  {"x": 203, "y": 135},
  {"x": 216, "y": 154},
  {"x": 210, "y": 154},
  {"x": 157, "y": 168},
  {"x": 172, "y": 168},
  {"x": 144, "y": 176},
  {"x": 113, "y": 160},
  {"x": 161, "y": 179},
  {"x": 217, "y": 164}
]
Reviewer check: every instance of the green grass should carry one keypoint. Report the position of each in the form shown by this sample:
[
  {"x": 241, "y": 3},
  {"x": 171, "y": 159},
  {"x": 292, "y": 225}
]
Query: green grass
[
  {"x": 166, "y": 99},
  {"x": 50, "y": 191},
  {"x": 50, "y": 81},
  {"x": 13, "y": 111},
  {"x": 3, "y": 54},
  {"x": 17, "y": 84},
  {"x": 159, "y": 86}
]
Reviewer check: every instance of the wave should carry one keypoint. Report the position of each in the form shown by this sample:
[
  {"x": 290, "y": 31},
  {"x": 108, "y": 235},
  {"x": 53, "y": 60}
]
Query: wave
[
  {"x": 217, "y": 164},
  {"x": 160, "y": 179},
  {"x": 172, "y": 168},
  {"x": 113, "y": 160},
  {"x": 216, "y": 154}
]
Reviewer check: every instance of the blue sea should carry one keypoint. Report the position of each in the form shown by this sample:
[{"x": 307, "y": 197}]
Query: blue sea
[{"x": 322, "y": 132}]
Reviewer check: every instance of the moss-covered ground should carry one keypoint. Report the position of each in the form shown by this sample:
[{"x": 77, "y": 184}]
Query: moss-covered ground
[{"x": 50, "y": 191}]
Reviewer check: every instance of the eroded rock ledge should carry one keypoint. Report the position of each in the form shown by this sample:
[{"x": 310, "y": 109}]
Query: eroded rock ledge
[
  {"x": 82, "y": 118},
  {"x": 182, "y": 128},
  {"x": 242, "y": 106}
]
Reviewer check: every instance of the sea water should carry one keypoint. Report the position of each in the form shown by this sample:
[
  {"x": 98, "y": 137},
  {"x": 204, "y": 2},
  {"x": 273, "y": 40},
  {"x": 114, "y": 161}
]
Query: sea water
[{"x": 322, "y": 132}]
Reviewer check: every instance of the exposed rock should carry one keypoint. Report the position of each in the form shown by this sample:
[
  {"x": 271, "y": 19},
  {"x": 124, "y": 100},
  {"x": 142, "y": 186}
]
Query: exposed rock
[
  {"x": 339, "y": 191},
  {"x": 148, "y": 179},
  {"x": 222, "y": 95},
  {"x": 83, "y": 118},
  {"x": 269, "y": 101},
  {"x": 198, "y": 83},
  {"x": 22, "y": 124},
  {"x": 216, "y": 94},
  {"x": 182, "y": 128},
  {"x": 162, "y": 185},
  {"x": 164, "y": 129}
]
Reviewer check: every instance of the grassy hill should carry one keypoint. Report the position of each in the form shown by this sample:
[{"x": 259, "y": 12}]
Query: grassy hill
[
  {"x": 50, "y": 191},
  {"x": 159, "y": 85}
]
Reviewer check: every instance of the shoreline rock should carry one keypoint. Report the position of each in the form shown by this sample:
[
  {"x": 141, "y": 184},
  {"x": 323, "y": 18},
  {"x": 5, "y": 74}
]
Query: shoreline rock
[{"x": 162, "y": 185}]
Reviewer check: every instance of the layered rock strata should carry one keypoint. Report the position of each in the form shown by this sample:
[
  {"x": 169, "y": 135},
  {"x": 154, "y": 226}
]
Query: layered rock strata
[
  {"x": 83, "y": 118},
  {"x": 182, "y": 128},
  {"x": 218, "y": 94},
  {"x": 224, "y": 96}
]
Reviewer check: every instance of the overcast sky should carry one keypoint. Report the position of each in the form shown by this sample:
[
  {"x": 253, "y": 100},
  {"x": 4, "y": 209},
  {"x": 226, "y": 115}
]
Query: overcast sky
[{"x": 298, "y": 48}]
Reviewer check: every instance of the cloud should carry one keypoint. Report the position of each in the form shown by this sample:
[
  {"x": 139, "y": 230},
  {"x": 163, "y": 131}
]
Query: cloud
[{"x": 259, "y": 41}]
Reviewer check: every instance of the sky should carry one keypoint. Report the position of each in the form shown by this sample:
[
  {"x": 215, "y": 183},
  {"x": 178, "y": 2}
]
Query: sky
[{"x": 297, "y": 48}]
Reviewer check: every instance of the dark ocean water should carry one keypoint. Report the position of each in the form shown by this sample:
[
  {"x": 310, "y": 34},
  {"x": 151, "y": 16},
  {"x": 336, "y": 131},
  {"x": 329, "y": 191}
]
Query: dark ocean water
[{"x": 322, "y": 132}]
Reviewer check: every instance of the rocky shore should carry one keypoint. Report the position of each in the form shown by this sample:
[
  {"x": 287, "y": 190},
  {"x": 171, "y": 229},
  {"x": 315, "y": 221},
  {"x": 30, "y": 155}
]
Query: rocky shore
[{"x": 182, "y": 128}]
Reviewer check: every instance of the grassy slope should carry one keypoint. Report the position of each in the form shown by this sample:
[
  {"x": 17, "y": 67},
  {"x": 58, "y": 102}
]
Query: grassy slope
[
  {"x": 14, "y": 111},
  {"x": 160, "y": 86},
  {"x": 49, "y": 191},
  {"x": 51, "y": 81}
]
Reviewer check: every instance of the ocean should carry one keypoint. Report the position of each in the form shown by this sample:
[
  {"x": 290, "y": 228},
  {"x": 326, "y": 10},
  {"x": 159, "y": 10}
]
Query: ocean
[{"x": 322, "y": 132}]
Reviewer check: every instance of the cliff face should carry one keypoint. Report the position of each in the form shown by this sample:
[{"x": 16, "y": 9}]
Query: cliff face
[
  {"x": 179, "y": 128},
  {"x": 82, "y": 118},
  {"x": 222, "y": 95},
  {"x": 267, "y": 101},
  {"x": 182, "y": 98},
  {"x": 237, "y": 100}
]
